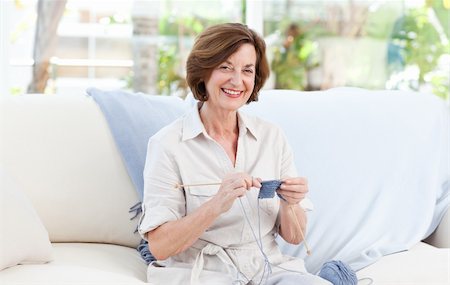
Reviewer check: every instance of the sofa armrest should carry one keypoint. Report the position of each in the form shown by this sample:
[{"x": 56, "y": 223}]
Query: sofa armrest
[{"x": 441, "y": 236}]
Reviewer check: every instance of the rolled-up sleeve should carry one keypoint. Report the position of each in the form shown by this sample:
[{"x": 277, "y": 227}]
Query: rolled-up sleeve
[{"x": 162, "y": 201}]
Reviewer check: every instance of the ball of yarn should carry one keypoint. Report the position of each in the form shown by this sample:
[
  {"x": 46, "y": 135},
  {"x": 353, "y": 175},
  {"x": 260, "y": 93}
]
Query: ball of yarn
[{"x": 338, "y": 273}]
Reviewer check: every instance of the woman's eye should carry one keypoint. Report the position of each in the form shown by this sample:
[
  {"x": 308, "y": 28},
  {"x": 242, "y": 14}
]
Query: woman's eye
[
  {"x": 224, "y": 67},
  {"x": 250, "y": 71}
]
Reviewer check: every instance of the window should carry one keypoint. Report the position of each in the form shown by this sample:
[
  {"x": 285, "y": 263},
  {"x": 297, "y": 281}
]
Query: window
[
  {"x": 368, "y": 44},
  {"x": 143, "y": 45},
  {"x": 118, "y": 45}
]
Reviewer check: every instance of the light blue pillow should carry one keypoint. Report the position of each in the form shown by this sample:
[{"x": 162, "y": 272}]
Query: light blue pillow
[{"x": 133, "y": 118}]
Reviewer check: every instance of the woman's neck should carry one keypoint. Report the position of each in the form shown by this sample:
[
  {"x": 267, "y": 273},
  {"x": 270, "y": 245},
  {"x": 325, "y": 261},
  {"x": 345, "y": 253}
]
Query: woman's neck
[
  {"x": 222, "y": 126},
  {"x": 219, "y": 123}
]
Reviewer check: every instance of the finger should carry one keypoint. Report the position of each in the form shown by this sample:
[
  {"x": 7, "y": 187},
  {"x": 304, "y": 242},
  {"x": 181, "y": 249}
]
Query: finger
[
  {"x": 238, "y": 181},
  {"x": 290, "y": 200},
  {"x": 248, "y": 181},
  {"x": 291, "y": 194},
  {"x": 239, "y": 192},
  {"x": 256, "y": 182},
  {"x": 295, "y": 180},
  {"x": 294, "y": 188},
  {"x": 245, "y": 178}
]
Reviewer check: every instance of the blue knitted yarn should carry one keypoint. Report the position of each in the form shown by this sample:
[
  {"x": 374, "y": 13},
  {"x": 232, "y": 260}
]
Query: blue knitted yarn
[
  {"x": 145, "y": 252},
  {"x": 268, "y": 188},
  {"x": 338, "y": 273}
]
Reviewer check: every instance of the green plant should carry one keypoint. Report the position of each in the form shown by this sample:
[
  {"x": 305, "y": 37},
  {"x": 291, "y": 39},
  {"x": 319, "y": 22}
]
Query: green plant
[
  {"x": 441, "y": 8},
  {"x": 416, "y": 42},
  {"x": 293, "y": 59},
  {"x": 379, "y": 23},
  {"x": 16, "y": 90},
  {"x": 440, "y": 85},
  {"x": 168, "y": 78},
  {"x": 420, "y": 42}
]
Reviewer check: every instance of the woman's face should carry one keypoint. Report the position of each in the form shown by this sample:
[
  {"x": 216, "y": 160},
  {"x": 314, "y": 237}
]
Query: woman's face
[{"x": 231, "y": 83}]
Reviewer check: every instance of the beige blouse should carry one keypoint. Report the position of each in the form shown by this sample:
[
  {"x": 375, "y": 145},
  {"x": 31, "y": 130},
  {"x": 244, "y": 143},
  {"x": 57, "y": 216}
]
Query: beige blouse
[{"x": 183, "y": 153}]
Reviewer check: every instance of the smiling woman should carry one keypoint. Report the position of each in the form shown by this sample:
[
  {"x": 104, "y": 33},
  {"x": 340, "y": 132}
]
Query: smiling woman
[
  {"x": 203, "y": 232},
  {"x": 208, "y": 54},
  {"x": 222, "y": 69},
  {"x": 234, "y": 79}
]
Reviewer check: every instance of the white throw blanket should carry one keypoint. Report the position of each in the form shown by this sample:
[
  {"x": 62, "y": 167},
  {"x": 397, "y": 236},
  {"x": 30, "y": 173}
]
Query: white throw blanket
[{"x": 377, "y": 164}]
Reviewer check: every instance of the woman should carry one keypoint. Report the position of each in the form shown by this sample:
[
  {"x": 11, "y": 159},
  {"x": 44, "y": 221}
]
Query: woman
[{"x": 222, "y": 234}]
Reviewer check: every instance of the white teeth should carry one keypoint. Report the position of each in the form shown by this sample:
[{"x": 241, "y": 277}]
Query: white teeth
[{"x": 231, "y": 92}]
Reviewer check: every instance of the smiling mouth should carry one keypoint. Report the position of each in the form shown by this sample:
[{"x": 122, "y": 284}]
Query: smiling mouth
[{"x": 232, "y": 93}]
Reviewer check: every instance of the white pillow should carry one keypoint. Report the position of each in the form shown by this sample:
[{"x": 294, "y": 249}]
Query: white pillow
[{"x": 23, "y": 238}]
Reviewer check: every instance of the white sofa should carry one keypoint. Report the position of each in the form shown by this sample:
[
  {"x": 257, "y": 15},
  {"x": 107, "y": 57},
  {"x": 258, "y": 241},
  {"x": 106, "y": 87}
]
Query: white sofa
[{"x": 58, "y": 150}]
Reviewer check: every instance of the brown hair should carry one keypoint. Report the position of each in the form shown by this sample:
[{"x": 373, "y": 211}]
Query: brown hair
[{"x": 214, "y": 46}]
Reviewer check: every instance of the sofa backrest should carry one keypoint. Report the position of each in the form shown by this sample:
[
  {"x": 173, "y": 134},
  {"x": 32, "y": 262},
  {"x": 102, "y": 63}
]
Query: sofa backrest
[
  {"x": 377, "y": 163},
  {"x": 60, "y": 151}
]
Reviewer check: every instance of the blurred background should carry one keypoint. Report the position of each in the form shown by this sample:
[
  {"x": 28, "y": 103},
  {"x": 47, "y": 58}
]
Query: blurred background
[{"x": 65, "y": 46}]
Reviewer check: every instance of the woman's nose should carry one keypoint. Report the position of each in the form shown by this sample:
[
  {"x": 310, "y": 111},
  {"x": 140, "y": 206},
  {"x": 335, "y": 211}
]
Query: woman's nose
[{"x": 236, "y": 78}]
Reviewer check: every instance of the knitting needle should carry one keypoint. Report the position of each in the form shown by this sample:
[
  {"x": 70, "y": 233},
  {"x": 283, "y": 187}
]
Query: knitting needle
[
  {"x": 294, "y": 216},
  {"x": 178, "y": 186}
]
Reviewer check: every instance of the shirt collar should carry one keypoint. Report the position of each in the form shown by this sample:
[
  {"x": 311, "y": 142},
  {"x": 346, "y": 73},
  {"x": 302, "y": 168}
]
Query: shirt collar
[
  {"x": 247, "y": 124},
  {"x": 193, "y": 126}
]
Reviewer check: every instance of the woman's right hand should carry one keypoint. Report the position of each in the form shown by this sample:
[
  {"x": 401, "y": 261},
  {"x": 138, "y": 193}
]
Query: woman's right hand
[{"x": 233, "y": 186}]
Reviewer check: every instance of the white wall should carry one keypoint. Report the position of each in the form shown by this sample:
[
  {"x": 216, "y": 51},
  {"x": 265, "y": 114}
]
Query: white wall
[
  {"x": 254, "y": 16},
  {"x": 4, "y": 20}
]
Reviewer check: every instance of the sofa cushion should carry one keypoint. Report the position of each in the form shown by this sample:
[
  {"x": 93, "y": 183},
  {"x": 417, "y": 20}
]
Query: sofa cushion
[
  {"x": 77, "y": 263},
  {"x": 441, "y": 236},
  {"x": 60, "y": 149},
  {"x": 23, "y": 238},
  {"x": 423, "y": 264}
]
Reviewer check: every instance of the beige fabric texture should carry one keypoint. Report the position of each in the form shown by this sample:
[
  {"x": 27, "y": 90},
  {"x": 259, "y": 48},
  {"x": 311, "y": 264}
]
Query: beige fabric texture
[
  {"x": 82, "y": 263},
  {"x": 64, "y": 155},
  {"x": 422, "y": 265},
  {"x": 440, "y": 237},
  {"x": 23, "y": 238}
]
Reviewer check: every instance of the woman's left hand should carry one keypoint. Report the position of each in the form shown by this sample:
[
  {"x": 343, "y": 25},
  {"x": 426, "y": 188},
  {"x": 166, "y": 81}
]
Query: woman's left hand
[{"x": 293, "y": 189}]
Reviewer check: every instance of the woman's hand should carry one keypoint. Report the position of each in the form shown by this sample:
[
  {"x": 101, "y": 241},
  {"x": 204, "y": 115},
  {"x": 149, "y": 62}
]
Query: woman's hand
[
  {"x": 234, "y": 185},
  {"x": 293, "y": 189}
]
